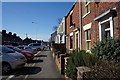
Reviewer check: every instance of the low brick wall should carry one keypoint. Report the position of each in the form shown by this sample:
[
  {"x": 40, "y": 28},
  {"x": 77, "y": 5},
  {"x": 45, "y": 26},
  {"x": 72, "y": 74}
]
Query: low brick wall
[
  {"x": 59, "y": 47},
  {"x": 66, "y": 78},
  {"x": 58, "y": 54},
  {"x": 58, "y": 63}
]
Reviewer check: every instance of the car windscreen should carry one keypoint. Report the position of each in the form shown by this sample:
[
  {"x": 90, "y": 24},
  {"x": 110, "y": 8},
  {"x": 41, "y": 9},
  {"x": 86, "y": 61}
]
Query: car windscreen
[
  {"x": 28, "y": 48},
  {"x": 36, "y": 44},
  {"x": 17, "y": 49},
  {"x": 7, "y": 50}
]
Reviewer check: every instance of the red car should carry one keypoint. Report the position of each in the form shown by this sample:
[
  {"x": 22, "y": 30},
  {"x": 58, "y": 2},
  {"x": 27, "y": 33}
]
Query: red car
[{"x": 27, "y": 54}]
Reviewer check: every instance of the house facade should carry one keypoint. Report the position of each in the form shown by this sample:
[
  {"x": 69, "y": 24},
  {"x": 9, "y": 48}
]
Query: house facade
[
  {"x": 10, "y": 38},
  {"x": 60, "y": 37},
  {"x": 52, "y": 38},
  {"x": 99, "y": 22},
  {"x": 89, "y": 22},
  {"x": 73, "y": 28}
]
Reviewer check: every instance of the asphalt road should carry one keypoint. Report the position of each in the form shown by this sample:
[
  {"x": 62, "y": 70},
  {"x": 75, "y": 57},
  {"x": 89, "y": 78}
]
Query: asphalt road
[{"x": 41, "y": 67}]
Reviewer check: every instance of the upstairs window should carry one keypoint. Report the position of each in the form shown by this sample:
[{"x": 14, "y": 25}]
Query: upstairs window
[{"x": 86, "y": 7}]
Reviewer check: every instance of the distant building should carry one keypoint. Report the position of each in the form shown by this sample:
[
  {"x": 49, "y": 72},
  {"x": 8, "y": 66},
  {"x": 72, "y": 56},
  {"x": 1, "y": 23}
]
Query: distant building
[
  {"x": 10, "y": 38},
  {"x": 60, "y": 37},
  {"x": 27, "y": 41},
  {"x": 53, "y": 36}
]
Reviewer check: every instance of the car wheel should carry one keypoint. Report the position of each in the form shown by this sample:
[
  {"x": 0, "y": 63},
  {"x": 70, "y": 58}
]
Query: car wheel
[{"x": 6, "y": 68}]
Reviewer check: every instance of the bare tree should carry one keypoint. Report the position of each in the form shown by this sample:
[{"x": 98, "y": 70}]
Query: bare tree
[
  {"x": 55, "y": 28},
  {"x": 58, "y": 21}
]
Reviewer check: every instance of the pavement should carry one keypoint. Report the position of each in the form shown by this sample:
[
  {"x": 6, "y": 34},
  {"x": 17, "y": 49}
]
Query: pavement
[
  {"x": 47, "y": 65},
  {"x": 41, "y": 67}
]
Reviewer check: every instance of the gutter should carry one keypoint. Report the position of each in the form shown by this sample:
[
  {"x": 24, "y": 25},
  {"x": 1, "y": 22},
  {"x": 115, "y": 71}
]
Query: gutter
[{"x": 80, "y": 10}]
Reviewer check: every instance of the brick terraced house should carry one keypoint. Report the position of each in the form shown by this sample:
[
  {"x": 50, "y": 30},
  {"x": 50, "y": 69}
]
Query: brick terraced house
[
  {"x": 99, "y": 21},
  {"x": 73, "y": 27},
  {"x": 89, "y": 22}
]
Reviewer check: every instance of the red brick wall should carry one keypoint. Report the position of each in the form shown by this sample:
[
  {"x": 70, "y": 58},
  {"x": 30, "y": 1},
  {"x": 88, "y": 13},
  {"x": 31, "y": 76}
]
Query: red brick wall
[
  {"x": 75, "y": 20},
  {"x": 96, "y": 10}
]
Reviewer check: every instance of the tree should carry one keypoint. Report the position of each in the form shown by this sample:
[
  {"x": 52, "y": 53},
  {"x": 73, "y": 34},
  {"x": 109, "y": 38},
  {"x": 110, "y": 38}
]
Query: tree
[{"x": 58, "y": 21}]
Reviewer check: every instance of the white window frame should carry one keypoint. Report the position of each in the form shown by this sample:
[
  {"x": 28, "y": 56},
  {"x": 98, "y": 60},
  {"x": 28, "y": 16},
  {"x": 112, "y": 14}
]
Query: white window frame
[
  {"x": 78, "y": 39},
  {"x": 87, "y": 40},
  {"x": 71, "y": 34},
  {"x": 110, "y": 19},
  {"x": 85, "y": 28},
  {"x": 70, "y": 15},
  {"x": 88, "y": 11}
]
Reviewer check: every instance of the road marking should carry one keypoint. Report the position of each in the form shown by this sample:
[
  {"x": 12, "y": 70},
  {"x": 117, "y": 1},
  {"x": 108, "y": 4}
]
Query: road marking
[
  {"x": 26, "y": 77},
  {"x": 37, "y": 53},
  {"x": 11, "y": 76},
  {"x": 32, "y": 65}
]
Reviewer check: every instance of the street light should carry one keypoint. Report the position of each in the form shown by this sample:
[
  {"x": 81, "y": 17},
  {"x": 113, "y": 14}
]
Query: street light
[{"x": 36, "y": 30}]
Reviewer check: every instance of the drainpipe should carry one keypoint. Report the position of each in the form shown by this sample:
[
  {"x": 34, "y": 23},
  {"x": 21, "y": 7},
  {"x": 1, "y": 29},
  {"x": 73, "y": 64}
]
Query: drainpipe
[{"x": 80, "y": 10}]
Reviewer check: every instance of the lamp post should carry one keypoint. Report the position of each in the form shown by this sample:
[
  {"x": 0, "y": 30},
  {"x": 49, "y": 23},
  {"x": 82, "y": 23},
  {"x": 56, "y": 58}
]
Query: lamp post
[{"x": 36, "y": 31}]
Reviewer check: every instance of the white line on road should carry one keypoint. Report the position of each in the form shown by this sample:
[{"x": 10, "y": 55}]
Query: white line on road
[
  {"x": 37, "y": 53},
  {"x": 32, "y": 65},
  {"x": 11, "y": 76}
]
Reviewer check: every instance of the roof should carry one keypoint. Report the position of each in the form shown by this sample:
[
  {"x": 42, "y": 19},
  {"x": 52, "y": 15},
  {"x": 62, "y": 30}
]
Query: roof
[{"x": 71, "y": 8}]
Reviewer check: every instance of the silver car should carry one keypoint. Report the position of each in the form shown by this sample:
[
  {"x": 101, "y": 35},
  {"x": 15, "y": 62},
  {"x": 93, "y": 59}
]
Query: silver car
[
  {"x": 11, "y": 59},
  {"x": 36, "y": 46}
]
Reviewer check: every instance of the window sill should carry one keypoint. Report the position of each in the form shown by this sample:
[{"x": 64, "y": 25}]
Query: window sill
[
  {"x": 88, "y": 51},
  {"x": 87, "y": 3},
  {"x": 71, "y": 49},
  {"x": 70, "y": 26},
  {"x": 88, "y": 40},
  {"x": 86, "y": 14}
]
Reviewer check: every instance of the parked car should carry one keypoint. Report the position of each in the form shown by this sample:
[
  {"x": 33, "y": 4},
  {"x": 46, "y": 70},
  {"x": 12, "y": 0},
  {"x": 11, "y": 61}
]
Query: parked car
[
  {"x": 37, "y": 46},
  {"x": 10, "y": 59},
  {"x": 43, "y": 47},
  {"x": 28, "y": 48},
  {"x": 27, "y": 54},
  {"x": 21, "y": 46}
]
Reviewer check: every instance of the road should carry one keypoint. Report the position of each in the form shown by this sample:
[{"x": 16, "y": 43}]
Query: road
[{"x": 41, "y": 67}]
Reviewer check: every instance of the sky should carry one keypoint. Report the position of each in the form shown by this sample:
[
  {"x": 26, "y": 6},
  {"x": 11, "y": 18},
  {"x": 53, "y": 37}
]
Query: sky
[
  {"x": 17, "y": 17},
  {"x": 0, "y": 14}
]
